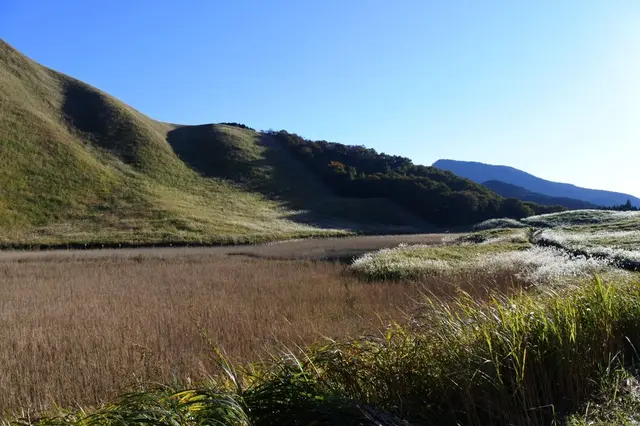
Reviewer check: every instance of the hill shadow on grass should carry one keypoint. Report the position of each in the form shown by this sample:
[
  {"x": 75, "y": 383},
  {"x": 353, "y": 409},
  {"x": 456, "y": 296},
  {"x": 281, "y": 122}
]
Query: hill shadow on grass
[
  {"x": 108, "y": 126},
  {"x": 262, "y": 165},
  {"x": 213, "y": 153}
]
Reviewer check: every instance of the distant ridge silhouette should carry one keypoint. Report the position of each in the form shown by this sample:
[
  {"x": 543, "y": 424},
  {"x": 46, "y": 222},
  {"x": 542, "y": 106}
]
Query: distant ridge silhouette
[
  {"x": 508, "y": 190},
  {"x": 481, "y": 172}
]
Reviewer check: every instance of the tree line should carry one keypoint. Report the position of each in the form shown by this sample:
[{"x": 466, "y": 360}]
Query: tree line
[
  {"x": 435, "y": 195},
  {"x": 626, "y": 207}
]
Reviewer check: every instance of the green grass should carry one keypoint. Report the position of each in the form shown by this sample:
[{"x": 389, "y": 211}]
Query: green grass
[
  {"x": 78, "y": 166},
  {"x": 543, "y": 359}
]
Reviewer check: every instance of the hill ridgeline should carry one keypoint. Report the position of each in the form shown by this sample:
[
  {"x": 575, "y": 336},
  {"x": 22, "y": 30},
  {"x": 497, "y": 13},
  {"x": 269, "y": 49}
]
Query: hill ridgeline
[
  {"x": 514, "y": 191},
  {"x": 79, "y": 167},
  {"x": 481, "y": 172}
]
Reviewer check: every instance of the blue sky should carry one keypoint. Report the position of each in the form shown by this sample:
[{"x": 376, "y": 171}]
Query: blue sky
[{"x": 548, "y": 86}]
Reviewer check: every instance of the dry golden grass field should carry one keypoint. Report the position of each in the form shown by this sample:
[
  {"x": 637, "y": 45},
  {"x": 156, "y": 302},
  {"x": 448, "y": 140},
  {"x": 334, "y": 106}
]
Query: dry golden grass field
[{"x": 79, "y": 327}]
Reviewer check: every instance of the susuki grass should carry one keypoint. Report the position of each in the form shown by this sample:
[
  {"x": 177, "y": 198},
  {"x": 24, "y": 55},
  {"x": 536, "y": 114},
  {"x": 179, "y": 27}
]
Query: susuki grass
[
  {"x": 591, "y": 218},
  {"x": 478, "y": 348},
  {"x": 498, "y": 224},
  {"x": 495, "y": 258},
  {"x": 617, "y": 247},
  {"x": 559, "y": 255},
  {"x": 580, "y": 217},
  {"x": 526, "y": 360},
  {"x": 492, "y": 236}
]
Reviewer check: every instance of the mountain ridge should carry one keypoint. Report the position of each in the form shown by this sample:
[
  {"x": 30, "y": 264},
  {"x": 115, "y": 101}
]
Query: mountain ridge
[
  {"x": 513, "y": 191},
  {"x": 482, "y": 172}
]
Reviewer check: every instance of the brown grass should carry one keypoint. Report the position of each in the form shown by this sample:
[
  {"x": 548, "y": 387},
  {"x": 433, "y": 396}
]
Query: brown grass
[
  {"x": 78, "y": 331},
  {"x": 343, "y": 248}
]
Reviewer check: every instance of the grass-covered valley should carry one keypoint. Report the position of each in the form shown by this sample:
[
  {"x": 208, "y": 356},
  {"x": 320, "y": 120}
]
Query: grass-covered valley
[
  {"x": 493, "y": 326},
  {"x": 464, "y": 308}
]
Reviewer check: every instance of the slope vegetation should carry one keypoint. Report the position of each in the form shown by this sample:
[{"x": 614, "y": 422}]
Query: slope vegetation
[
  {"x": 78, "y": 166},
  {"x": 437, "y": 196},
  {"x": 480, "y": 172}
]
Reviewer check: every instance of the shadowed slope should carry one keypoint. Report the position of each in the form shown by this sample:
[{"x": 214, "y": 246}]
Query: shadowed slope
[
  {"x": 258, "y": 163},
  {"x": 113, "y": 126}
]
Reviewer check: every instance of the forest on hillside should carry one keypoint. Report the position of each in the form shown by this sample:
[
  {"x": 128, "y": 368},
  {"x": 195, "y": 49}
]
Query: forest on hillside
[{"x": 435, "y": 195}]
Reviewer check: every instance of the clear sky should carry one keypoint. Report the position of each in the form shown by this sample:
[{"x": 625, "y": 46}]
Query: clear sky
[{"x": 548, "y": 86}]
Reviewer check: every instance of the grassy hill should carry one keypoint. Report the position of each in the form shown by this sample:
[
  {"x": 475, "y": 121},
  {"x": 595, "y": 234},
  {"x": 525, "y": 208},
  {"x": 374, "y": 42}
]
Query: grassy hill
[{"x": 78, "y": 166}]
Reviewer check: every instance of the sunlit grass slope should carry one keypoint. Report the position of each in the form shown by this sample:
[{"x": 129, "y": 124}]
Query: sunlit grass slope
[{"x": 78, "y": 166}]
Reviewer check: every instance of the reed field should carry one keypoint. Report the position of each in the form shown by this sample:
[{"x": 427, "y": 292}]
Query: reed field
[
  {"x": 495, "y": 327},
  {"x": 76, "y": 333}
]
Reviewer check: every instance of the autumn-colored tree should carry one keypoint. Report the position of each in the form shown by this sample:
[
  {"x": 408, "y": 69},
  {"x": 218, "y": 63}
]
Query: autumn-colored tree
[{"x": 337, "y": 167}]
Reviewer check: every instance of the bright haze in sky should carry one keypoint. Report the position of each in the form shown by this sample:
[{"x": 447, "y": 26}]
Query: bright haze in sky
[{"x": 550, "y": 87}]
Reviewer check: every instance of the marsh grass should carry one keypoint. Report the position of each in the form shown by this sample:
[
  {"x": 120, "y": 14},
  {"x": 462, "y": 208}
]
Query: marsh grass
[
  {"x": 525, "y": 359},
  {"x": 76, "y": 332}
]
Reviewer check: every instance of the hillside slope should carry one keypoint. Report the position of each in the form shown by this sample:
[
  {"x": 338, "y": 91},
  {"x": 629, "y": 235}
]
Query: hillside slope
[
  {"x": 78, "y": 166},
  {"x": 513, "y": 191},
  {"x": 480, "y": 172}
]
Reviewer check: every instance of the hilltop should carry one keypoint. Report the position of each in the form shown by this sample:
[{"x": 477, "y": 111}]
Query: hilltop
[
  {"x": 481, "y": 172},
  {"x": 78, "y": 167}
]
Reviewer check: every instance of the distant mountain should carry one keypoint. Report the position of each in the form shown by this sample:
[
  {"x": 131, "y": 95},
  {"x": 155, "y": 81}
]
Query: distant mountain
[
  {"x": 480, "y": 172},
  {"x": 508, "y": 190}
]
